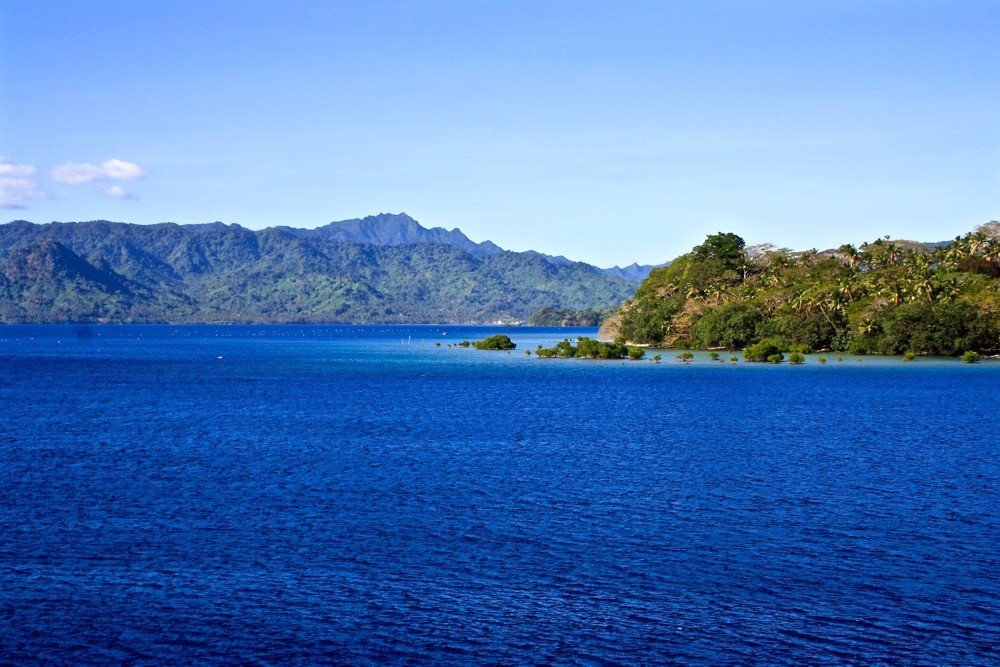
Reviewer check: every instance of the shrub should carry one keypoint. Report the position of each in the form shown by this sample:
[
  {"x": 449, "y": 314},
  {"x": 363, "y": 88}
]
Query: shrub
[
  {"x": 465, "y": 343},
  {"x": 732, "y": 325},
  {"x": 497, "y": 342},
  {"x": 796, "y": 358},
  {"x": 589, "y": 348},
  {"x": 565, "y": 349},
  {"x": 685, "y": 357},
  {"x": 657, "y": 357},
  {"x": 762, "y": 351},
  {"x": 713, "y": 356},
  {"x": 909, "y": 356},
  {"x": 860, "y": 347},
  {"x": 733, "y": 360},
  {"x": 596, "y": 349},
  {"x": 800, "y": 348},
  {"x": 776, "y": 358},
  {"x": 970, "y": 357},
  {"x": 822, "y": 360}
]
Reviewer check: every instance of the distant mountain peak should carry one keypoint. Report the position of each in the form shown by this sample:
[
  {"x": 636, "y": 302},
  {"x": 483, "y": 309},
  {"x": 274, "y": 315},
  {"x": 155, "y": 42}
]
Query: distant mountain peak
[{"x": 396, "y": 229}]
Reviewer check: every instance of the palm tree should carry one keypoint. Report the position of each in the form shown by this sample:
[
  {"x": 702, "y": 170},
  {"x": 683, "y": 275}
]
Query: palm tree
[
  {"x": 850, "y": 254},
  {"x": 976, "y": 241},
  {"x": 947, "y": 287},
  {"x": 845, "y": 288}
]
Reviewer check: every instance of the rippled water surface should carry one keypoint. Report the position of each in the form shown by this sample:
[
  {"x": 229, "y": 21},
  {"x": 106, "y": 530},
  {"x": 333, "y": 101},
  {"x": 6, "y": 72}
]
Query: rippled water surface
[{"x": 358, "y": 495}]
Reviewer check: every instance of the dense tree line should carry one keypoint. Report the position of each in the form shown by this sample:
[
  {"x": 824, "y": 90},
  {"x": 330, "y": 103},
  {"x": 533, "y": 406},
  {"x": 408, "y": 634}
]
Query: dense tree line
[
  {"x": 886, "y": 297},
  {"x": 589, "y": 348},
  {"x": 551, "y": 316}
]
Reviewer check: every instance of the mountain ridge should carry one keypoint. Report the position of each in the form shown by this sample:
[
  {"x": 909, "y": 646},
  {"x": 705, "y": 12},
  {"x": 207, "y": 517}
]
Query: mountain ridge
[
  {"x": 121, "y": 272},
  {"x": 401, "y": 229}
]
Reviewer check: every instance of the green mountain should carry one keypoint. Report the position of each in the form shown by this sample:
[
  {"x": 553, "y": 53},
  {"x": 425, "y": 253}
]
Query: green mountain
[
  {"x": 884, "y": 297},
  {"x": 114, "y": 272}
]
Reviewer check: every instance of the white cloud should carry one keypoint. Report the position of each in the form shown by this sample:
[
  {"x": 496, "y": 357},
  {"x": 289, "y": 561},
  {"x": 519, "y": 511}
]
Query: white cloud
[
  {"x": 8, "y": 169},
  {"x": 116, "y": 192},
  {"x": 120, "y": 170},
  {"x": 76, "y": 173},
  {"x": 16, "y": 185}
]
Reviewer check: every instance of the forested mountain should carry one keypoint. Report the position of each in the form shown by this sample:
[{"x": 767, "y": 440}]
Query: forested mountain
[
  {"x": 887, "y": 297},
  {"x": 114, "y": 272}
]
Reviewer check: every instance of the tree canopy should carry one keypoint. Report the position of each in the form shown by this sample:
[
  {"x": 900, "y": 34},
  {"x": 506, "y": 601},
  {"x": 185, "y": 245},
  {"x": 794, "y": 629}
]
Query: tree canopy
[
  {"x": 497, "y": 342},
  {"x": 884, "y": 297}
]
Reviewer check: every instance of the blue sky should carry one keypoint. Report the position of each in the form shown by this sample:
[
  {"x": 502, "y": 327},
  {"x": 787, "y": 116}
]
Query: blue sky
[{"x": 610, "y": 134}]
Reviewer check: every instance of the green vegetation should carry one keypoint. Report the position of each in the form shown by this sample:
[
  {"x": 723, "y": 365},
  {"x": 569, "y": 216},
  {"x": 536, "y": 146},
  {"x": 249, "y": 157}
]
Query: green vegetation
[
  {"x": 796, "y": 358},
  {"x": 115, "y": 272},
  {"x": 970, "y": 357},
  {"x": 685, "y": 356},
  {"x": 880, "y": 298},
  {"x": 588, "y": 348},
  {"x": 763, "y": 351},
  {"x": 497, "y": 342},
  {"x": 909, "y": 356},
  {"x": 550, "y": 316}
]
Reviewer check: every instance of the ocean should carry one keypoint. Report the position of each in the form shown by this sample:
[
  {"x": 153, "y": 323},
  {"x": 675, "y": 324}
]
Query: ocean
[{"x": 368, "y": 495}]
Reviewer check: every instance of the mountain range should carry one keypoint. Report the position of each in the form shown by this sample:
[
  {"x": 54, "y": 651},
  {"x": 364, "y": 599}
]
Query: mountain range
[
  {"x": 401, "y": 229},
  {"x": 384, "y": 268}
]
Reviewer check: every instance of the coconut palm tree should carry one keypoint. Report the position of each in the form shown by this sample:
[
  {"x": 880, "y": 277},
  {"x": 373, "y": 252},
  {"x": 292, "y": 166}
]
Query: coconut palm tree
[{"x": 850, "y": 254}]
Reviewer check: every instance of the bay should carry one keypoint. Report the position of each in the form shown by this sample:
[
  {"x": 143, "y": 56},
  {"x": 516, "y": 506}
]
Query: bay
[{"x": 361, "y": 495}]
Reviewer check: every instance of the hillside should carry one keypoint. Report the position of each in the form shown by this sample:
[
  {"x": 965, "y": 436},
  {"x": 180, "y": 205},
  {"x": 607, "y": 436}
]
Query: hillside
[
  {"x": 886, "y": 297},
  {"x": 114, "y": 272}
]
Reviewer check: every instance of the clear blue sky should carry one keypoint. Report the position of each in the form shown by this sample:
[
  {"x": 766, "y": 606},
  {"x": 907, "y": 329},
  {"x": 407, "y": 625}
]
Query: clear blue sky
[{"x": 607, "y": 133}]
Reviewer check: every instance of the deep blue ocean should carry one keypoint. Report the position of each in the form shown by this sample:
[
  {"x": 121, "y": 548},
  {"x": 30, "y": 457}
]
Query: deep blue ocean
[{"x": 357, "y": 495}]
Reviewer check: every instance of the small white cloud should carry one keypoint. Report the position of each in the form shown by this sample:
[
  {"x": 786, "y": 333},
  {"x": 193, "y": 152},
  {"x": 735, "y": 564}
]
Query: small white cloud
[
  {"x": 76, "y": 173},
  {"x": 16, "y": 186},
  {"x": 8, "y": 169},
  {"x": 119, "y": 170},
  {"x": 116, "y": 192}
]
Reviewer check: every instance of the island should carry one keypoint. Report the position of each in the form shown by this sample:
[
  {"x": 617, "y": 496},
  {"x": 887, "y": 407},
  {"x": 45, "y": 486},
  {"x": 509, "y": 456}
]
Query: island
[{"x": 883, "y": 297}]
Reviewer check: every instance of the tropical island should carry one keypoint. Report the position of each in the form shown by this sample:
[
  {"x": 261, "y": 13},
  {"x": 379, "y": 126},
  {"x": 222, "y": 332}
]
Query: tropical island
[{"x": 884, "y": 297}]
